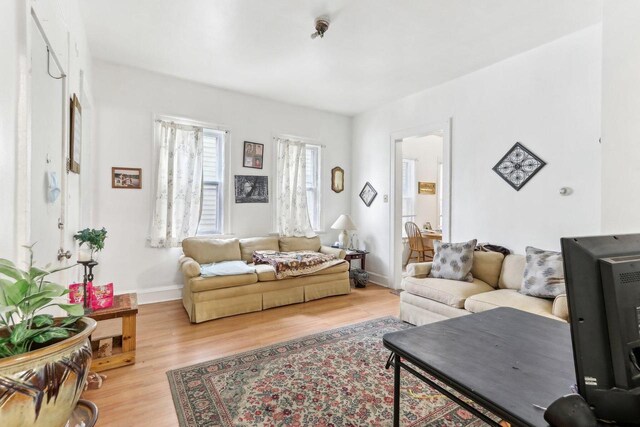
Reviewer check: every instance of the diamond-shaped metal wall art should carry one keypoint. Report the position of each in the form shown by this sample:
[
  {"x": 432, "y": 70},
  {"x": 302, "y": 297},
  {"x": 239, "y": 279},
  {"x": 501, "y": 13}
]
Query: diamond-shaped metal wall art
[{"x": 518, "y": 166}]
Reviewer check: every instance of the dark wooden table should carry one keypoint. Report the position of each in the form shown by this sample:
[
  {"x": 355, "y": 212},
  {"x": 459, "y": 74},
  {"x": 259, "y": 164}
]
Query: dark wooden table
[
  {"x": 125, "y": 307},
  {"x": 362, "y": 256},
  {"x": 508, "y": 361}
]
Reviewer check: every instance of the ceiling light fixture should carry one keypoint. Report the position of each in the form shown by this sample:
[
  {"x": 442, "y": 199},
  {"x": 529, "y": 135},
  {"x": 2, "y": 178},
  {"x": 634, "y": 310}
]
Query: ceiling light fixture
[{"x": 322, "y": 25}]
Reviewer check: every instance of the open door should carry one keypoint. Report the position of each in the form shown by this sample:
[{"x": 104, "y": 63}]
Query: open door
[{"x": 47, "y": 156}]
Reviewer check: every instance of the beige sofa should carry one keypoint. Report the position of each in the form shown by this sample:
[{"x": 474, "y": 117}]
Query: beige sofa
[
  {"x": 496, "y": 283},
  {"x": 207, "y": 298}
]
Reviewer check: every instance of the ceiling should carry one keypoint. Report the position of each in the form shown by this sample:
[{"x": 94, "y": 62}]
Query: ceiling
[{"x": 375, "y": 51}]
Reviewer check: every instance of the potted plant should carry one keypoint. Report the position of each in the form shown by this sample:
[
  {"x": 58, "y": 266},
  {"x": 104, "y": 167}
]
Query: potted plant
[
  {"x": 44, "y": 361},
  {"x": 94, "y": 239}
]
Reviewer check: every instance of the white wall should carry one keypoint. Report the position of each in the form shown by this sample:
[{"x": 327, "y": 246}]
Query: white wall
[
  {"x": 12, "y": 24},
  {"x": 621, "y": 117},
  {"x": 63, "y": 26},
  {"x": 126, "y": 101},
  {"x": 548, "y": 99}
]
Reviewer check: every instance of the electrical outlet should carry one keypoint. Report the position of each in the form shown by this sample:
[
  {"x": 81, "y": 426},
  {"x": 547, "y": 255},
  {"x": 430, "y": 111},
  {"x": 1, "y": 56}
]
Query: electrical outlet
[{"x": 385, "y": 198}]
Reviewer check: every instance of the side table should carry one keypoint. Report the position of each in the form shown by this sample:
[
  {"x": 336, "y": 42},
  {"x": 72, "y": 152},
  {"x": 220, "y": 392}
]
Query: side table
[
  {"x": 125, "y": 307},
  {"x": 361, "y": 255}
]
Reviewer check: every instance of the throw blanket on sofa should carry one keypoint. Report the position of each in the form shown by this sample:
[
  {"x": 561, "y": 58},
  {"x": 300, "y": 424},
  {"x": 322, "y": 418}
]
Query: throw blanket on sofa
[{"x": 290, "y": 264}]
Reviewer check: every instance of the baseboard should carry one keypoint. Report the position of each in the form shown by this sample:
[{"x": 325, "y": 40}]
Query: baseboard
[
  {"x": 378, "y": 279},
  {"x": 159, "y": 294}
]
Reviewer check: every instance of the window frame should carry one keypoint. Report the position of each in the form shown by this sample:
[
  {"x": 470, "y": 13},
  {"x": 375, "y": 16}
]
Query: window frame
[
  {"x": 220, "y": 214},
  {"x": 317, "y": 227},
  {"x": 225, "y": 205},
  {"x": 412, "y": 190},
  {"x": 307, "y": 142}
]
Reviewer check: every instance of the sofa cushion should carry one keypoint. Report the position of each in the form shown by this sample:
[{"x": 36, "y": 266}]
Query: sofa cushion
[
  {"x": 292, "y": 244},
  {"x": 453, "y": 260},
  {"x": 267, "y": 273},
  {"x": 508, "y": 298},
  {"x": 450, "y": 292},
  {"x": 561, "y": 307},
  {"x": 206, "y": 250},
  {"x": 487, "y": 266},
  {"x": 512, "y": 272},
  {"x": 200, "y": 284},
  {"x": 543, "y": 274},
  {"x": 249, "y": 245}
]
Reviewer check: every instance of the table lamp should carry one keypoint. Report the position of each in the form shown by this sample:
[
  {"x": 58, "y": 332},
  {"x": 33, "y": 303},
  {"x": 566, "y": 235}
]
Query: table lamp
[{"x": 343, "y": 223}]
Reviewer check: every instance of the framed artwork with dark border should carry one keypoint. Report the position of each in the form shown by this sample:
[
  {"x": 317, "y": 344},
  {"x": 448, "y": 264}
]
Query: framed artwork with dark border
[
  {"x": 518, "y": 166},
  {"x": 126, "y": 178},
  {"x": 253, "y": 154},
  {"x": 75, "y": 136},
  {"x": 337, "y": 179},
  {"x": 368, "y": 194},
  {"x": 251, "y": 189}
]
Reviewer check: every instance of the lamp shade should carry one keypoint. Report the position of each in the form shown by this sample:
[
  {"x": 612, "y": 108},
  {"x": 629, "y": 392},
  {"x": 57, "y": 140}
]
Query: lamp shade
[{"x": 344, "y": 222}]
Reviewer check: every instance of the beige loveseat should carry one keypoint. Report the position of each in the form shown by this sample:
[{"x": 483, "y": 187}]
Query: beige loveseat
[
  {"x": 496, "y": 283},
  {"x": 207, "y": 298}
]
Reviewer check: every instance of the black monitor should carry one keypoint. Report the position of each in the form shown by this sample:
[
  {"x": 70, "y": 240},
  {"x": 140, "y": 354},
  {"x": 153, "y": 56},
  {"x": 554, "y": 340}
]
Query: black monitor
[{"x": 602, "y": 275}]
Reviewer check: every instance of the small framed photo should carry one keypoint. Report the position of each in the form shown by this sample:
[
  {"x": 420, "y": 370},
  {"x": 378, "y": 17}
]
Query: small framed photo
[
  {"x": 126, "y": 178},
  {"x": 426, "y": 187},
  {"x": 368, "y": 194},
  {"x": 253, "y": 155}
]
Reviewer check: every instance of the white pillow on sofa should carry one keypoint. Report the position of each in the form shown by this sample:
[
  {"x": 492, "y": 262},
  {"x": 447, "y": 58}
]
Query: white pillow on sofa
[{"x": 225, "y": 268}]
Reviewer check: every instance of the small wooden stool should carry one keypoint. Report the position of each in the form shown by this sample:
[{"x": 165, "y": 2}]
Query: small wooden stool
[{"x": 125, "y": 306}]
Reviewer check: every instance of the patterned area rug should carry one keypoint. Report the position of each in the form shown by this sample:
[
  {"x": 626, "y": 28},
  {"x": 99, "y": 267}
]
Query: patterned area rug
[{"x": 335, "y": 378}]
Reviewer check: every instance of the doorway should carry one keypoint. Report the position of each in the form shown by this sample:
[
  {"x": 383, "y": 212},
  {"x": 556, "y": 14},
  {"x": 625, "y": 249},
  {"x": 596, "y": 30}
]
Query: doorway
[{"x": 421, "y": 193}]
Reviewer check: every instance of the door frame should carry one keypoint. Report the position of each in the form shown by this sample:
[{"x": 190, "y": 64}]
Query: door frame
[{"x": 395, "y": 187}]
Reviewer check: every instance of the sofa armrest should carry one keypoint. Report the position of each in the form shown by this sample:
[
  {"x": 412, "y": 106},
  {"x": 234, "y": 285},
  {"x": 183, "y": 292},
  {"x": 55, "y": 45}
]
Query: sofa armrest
[
  {"x": 560, "y": 307},
  {"x": 337, "y": 252},
  {"x": 190, "y": 267},
  {"x": 419, "y": 269}
]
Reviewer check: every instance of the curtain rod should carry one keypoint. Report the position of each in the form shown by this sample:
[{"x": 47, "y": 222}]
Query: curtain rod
[
  {"x": 186, "y": 124},
  {"x": 306, "y": 141}
]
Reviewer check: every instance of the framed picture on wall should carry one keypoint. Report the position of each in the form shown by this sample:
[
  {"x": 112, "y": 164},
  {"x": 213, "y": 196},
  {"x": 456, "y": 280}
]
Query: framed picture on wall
[
  {"x": 426, "y": 187},
  {"x": 252, "y": 189},
  {"x": 253, "y": 155},
  {"x": 126, "y": 178},
  {"x": 75, "y": 138},
  {"x": 367, "y": 194}
]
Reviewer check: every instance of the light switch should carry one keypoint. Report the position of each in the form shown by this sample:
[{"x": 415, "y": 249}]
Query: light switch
[{"x": 385, "y": 198}]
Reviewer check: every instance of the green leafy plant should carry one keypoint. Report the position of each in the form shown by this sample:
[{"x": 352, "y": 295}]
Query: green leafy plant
[
  {"x": 23, "y": 295},
  {"x": 93, "y": 237}
]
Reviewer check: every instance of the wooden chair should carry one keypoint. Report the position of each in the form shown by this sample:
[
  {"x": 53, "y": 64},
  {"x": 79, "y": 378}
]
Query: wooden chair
[{"x": 416, "y": 243}]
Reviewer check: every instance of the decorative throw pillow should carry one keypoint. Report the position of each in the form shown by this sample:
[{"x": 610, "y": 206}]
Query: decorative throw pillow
[
  {"x": 453, "y": 260},
  {"x": 543, "y": 274}
]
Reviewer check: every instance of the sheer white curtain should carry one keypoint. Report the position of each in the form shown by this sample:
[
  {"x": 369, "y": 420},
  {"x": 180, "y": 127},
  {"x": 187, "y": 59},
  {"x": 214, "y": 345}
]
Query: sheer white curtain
[
  {"x": 179, "y": 184},
  {"x": 291, "y": 204}
]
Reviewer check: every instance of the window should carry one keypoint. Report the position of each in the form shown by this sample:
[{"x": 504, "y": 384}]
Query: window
[
  {"x": 313, "y": 184},
  {"x": 211, "y": 214},
  {"x": 292, "y": 217},
  {"x": 440, "y": 196},
  {"x": 409, "y": 191}
]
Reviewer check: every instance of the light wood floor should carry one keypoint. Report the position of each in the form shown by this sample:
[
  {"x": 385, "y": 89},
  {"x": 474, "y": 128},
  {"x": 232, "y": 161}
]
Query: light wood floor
[{"x": 139, "y": 395}]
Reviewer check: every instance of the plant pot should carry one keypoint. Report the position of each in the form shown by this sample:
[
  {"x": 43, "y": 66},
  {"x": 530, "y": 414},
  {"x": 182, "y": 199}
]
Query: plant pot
[
  {"x": 86, "y": 254},
  {"x": 42, "y": 387}
]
